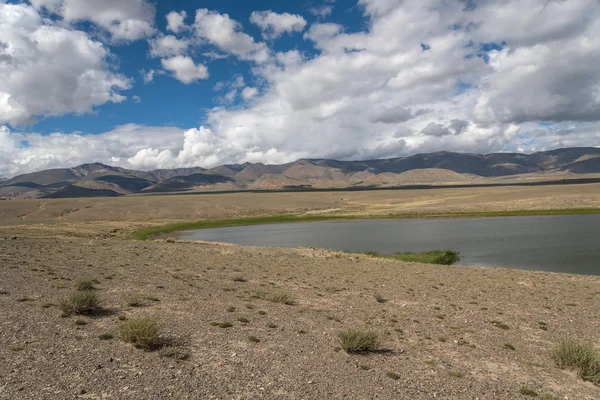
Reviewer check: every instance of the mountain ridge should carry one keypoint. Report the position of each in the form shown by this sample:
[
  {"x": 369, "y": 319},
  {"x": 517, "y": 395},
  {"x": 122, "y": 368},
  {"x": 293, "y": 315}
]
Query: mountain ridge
[{"x": 97, "y": 179}]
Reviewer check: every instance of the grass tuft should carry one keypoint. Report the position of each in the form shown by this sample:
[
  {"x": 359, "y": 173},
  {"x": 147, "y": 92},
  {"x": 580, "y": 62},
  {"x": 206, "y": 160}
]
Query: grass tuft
[
  {"x": 355, "y": 340},
  {"x": 393, "y": 375},
  {"x": 582, "y": 357},
  {"x": 141, "y": 331},
  {"x": 80, "y": 302},
  {"x": 84, "y": 285},
  {"x": 105, "y": 336},
  {"x": 281, "y": 297},
  {"x": 525, "y": 391},
  {"x": 176, "y": 352}
]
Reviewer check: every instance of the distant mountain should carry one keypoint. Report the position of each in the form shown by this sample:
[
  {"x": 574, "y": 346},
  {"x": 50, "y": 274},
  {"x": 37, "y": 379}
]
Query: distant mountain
[{"x": 441, "y": 168}]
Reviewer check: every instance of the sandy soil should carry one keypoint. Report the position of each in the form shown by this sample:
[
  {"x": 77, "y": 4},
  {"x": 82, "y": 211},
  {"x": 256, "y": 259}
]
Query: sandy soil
[{"x": 442, "y": 326}]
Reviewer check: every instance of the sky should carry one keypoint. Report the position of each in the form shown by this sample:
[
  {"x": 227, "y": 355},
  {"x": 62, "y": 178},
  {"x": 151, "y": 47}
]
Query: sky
[{"x": 148, "y": 84}]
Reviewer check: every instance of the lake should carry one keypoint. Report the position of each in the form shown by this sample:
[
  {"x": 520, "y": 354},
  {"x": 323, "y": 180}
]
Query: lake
[{"x": 566, "y": 243}]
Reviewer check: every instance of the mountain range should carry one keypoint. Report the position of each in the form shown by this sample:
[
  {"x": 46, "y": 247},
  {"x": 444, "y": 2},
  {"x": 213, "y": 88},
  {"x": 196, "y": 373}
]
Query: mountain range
[{"x": 441, "y": 168}]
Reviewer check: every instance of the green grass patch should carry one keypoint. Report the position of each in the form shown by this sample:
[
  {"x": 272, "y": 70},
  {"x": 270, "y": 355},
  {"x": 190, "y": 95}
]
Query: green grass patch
[
  {"x": 582, "y": 357},
  {"x": 149, "y": 233},
  {"x": 442, "y": 257}
]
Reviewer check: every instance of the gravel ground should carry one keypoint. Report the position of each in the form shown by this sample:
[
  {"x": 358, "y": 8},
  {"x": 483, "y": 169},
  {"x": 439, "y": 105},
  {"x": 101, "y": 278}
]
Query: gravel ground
[{"x": 445, "y": 330}]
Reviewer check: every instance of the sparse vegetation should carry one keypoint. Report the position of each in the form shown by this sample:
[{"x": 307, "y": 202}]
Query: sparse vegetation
[
  {"x": 582, "y": 357},
  {"x": 500, "y": 325},
  {"x": 525, "y": 391},
  {"x": 176, "y": 352},
  {"x": 243, "y": 320},
  {"x": 222, "y": 324},
  {"x": 281, "y": 297},
  {"x": 392, "y": 375},
  {"x": 133, "y": 300},
  {"x": 80, "y": 302},
  {"x": 442, "y": 257},
  {"x": 253, "y": 339},
  {"x": 456, "y": 373},
  {"x": 141, "y": 331},
  {"x": 84, "y": 284},
  {"x": 355, "y": 340},
  {"x": 105, "y": 336},
  {"x": 509, "y": 346}
]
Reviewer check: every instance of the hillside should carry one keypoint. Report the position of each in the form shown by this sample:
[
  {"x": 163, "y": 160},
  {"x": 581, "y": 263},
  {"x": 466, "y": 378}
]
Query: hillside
[{"x": 438, "y": 168}]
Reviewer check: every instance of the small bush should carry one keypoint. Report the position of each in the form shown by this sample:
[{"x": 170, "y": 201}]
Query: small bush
[
  {"x": 500, "y": 325},
  {"x": 525, "y": 391},
  {"x": 222, "y": 324},
  {"x": 356, "y": 340},
  {"x": 393, "y": 375},
  {"x": 105, "y": 336},
  {"x": 253, "y": 339},
  {"x": 141, "y": 331},
  {"x": 176, "y": 352},
  {"x": 243, "y": 320},
  {"x": 582, "y": 357},
  {"x": 509, "y": 346},
  {"x": 283, "y": 298},
  {"x": 456, "y": 373},
  {"x": 80, "y": 302},
  {"x": 134, "y": 300},
  {"x": 84, "y": 284}
]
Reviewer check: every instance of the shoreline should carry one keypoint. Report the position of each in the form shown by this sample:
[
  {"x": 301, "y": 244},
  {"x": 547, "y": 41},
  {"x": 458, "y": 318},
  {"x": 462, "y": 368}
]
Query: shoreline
[{"x": 162, "y": 230}]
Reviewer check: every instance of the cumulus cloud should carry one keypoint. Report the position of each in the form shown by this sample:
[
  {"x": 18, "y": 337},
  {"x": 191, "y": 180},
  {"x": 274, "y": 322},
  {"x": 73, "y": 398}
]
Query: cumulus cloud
[
  {"x": 438, "y": 130},
  {"x": 273, "y": 25},
  {"x": 490, "y": 74},
  {"x": 176, "y": 21},
  {"x": 167, "y": 46},
  {"x": 225, "y": 33},
  {"x": 125, "y": 20},
  {"x": 50, "y": 70},
  {"x": 184, "y": 69},
  {"x": 391, "y": 115},
  {"x": 321, "y": 11},
  {"x": 58, "y": 150},
  {"x": 249, "y": 92}
]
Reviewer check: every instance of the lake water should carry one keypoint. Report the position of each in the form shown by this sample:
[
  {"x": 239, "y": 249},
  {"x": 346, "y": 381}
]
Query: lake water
[{"x": 547, "y": 243}]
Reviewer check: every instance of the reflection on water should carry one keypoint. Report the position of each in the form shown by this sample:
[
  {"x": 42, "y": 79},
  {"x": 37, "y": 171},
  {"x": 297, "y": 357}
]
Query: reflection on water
[{"x": 548, "y": 243}]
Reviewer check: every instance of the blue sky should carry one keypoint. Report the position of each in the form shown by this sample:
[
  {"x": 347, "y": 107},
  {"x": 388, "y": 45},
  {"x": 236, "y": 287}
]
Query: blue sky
[{"x": 145, "y": 84}]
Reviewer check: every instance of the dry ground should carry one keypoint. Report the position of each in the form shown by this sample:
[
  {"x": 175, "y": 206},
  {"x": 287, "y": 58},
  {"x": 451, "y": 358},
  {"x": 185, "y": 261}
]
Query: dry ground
[
  {"x": 442, "y": 326},
  {"x": 116, "y": 217}
]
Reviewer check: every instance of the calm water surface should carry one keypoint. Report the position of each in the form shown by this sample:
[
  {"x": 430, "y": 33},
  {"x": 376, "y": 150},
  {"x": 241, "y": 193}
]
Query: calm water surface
[{"x": 547, "y": 243}]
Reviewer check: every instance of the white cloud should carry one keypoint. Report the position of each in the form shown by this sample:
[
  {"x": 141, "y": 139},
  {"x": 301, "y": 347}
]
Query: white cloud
[
  {"x": 249, "y": 92},
  {"x": 273, "y": 25},
  {"x": 125, "y": 20},
  {"x": 221, "y": 31},
  {"x": 370, "y": 93},
  {"x": 148, "y": 75},
  {"x": 184, "y": 69},
  {"x": 136, "y": 99},
  {"x": 66, "y": 150},
  {"x": 167, "y": 46},
  {"x": 176, "y": 21},
  {"x": 321, "y": 11},
  {"x": 50, "y": 70}
]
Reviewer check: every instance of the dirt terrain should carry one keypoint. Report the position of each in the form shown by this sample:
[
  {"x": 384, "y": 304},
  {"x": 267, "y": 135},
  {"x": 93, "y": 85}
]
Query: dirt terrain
[
  {"x": 448, "y": 332},
  {"x": 116, "y": 217}
]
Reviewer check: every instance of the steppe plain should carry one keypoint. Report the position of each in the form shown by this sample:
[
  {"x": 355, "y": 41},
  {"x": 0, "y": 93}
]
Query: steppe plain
[{"x": 448, "y": 332}]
